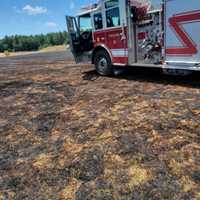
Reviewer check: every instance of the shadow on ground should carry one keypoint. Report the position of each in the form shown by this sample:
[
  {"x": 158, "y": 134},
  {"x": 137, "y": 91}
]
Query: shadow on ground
[{"x": 151, "y": 75}]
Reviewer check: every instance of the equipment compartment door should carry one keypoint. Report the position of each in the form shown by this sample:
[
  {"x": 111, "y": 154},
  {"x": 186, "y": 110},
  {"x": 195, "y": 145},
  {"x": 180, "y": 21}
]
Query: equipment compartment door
[{"x": 182, "y": 29}]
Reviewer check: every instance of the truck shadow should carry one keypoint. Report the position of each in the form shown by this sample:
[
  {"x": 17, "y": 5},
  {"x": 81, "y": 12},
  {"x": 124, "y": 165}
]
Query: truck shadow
[{"x": 150, "y": 75}]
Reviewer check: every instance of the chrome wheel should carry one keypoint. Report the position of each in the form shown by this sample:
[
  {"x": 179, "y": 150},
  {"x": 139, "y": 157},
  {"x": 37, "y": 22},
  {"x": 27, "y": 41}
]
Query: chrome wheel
[{"x": 102, "y": 64}]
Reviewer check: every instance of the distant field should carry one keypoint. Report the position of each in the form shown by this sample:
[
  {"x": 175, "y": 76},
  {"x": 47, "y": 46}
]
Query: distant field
[{"x": 48, "y": 49}]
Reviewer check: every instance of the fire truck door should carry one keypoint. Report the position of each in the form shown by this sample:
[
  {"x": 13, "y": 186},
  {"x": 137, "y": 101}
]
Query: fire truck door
[
  {"x": 116, "y": 41},
  {"x": 115, "y": 31},
  {"x": 74, "y": 36}
]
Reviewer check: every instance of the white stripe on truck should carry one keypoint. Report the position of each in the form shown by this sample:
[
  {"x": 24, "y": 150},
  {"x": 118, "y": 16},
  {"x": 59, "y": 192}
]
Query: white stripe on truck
[{"x": 119, "y": 52}]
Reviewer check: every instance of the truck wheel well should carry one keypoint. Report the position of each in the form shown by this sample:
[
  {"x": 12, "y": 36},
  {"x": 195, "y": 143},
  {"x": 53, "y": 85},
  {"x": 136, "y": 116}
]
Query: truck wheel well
[{"x": 99, "y": 48}]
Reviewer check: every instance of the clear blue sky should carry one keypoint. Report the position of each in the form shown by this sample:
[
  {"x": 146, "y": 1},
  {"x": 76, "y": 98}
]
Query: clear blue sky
[{"x": 36, "y": 16}]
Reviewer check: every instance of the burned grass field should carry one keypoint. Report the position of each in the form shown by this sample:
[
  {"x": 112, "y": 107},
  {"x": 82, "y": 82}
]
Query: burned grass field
[{"x": 67, "y": 133}]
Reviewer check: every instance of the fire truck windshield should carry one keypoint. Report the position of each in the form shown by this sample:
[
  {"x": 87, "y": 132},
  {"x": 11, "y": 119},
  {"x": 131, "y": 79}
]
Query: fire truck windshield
[{"x": 85, "y": 22}]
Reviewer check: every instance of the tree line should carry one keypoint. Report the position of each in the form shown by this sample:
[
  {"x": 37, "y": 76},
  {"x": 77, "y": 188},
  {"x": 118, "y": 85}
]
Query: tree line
[{"x": 32, "y": 42}]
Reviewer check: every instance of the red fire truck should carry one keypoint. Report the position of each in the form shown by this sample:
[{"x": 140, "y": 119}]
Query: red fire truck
[{"x": 134, "y": 33}]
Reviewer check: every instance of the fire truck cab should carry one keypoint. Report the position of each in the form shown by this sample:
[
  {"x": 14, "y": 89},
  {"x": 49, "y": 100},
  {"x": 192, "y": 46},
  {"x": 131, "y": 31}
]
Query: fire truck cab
[{"x": 133, "y": 33}]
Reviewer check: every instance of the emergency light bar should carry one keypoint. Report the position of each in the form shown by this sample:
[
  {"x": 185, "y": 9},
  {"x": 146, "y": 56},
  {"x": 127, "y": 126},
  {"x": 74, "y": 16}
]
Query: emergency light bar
[
  {"x": 89, "y": 7},
  {"x": 141, "y": 4}
]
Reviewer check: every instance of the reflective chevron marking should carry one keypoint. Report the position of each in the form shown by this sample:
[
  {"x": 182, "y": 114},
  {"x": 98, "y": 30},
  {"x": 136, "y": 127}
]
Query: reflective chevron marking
[{"x": 189, "y": 47}]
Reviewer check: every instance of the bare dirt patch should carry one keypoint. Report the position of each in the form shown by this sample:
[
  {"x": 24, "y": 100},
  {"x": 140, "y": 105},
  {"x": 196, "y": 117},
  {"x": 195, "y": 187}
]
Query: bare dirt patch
[{"x": 67, "y": 133}]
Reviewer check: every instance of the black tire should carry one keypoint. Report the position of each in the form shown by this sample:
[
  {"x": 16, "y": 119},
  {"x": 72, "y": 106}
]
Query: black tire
[{"x": 103, "y": 63}]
